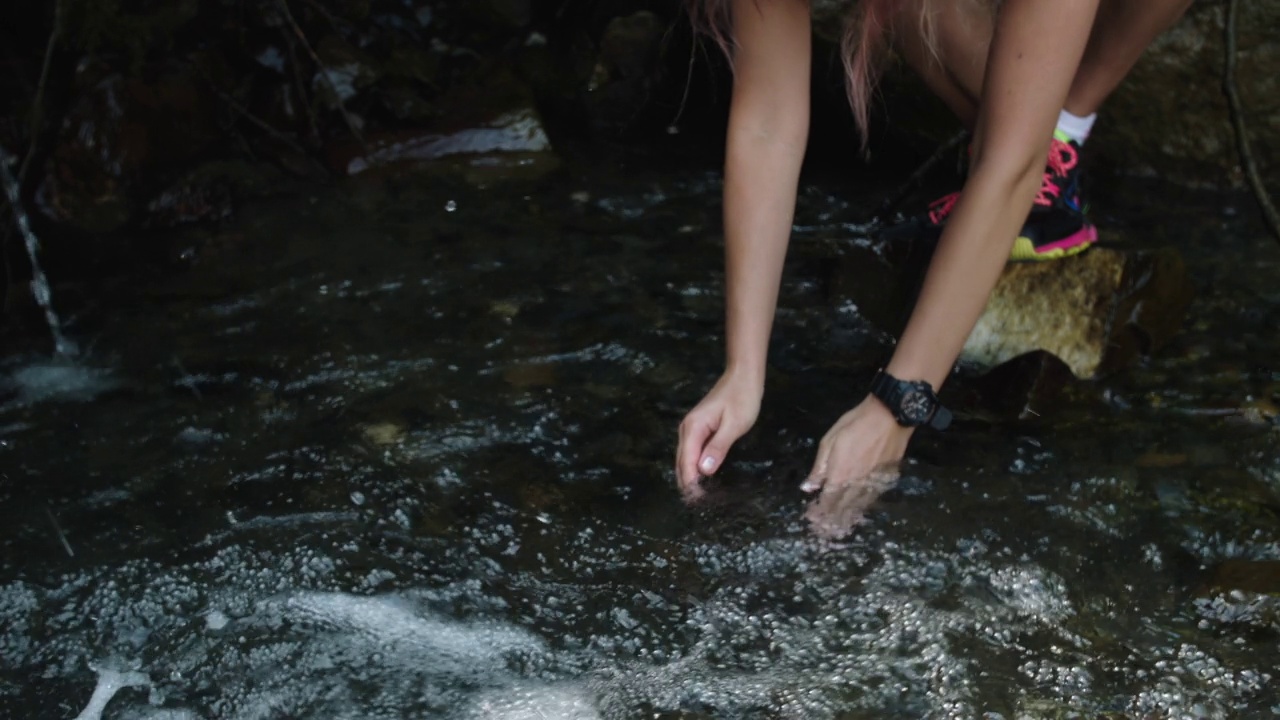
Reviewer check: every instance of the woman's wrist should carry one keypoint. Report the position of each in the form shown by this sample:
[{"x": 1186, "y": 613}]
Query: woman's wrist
[
  {"x": 746, "y": 373},
  {"x": 881, "y": 413}
]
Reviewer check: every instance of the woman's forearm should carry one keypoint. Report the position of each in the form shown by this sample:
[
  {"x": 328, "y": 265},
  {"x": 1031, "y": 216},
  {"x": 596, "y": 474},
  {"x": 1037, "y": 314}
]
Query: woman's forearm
[
  {"x": 970, "y": 256},
  {"x": 761, "y": 175},
  {"x": 768, "y": 130}
]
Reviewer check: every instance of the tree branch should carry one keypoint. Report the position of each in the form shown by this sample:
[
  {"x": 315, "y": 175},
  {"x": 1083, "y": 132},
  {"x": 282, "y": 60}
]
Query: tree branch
[
  {"x": 337, "y": 96},
  {"x": 1237, "y": 121},
  {"x": 37, "y": 105}
]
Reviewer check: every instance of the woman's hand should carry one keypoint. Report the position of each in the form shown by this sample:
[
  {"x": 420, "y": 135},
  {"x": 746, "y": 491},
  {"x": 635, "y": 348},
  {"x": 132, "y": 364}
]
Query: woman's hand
[
  {"x": 857, "y": 461},
  {"x": 710, "y": 429}
]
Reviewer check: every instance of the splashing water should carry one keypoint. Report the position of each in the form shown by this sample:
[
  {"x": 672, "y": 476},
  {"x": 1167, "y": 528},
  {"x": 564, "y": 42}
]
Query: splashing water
[
  {"x": 417, "y": 466},
  {"x": 39, "y": 283}
]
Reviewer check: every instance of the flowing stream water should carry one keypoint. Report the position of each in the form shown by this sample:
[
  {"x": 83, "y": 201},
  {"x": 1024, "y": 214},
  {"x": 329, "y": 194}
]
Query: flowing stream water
[{"x": 401, "y": 448}]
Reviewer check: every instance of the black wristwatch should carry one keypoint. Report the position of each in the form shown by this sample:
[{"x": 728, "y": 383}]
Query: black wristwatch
[{"x": 912, "y": 403}]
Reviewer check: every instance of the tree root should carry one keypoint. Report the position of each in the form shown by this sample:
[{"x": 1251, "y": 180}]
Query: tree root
[
  {"x": 1237, "y": 121},
  {"x": 320, "y": 68}
]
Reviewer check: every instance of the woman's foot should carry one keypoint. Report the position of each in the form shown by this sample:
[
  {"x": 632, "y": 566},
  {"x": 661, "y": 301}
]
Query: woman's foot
[{"x": 1057, "y": 225}]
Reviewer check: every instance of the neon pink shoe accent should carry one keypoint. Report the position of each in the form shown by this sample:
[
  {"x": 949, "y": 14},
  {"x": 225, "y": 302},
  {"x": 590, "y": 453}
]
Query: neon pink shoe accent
[
  {"x": 939, "y": 209},
  {"x": 1062, "y": 158},
  {"x": 1083, "y": 236}
]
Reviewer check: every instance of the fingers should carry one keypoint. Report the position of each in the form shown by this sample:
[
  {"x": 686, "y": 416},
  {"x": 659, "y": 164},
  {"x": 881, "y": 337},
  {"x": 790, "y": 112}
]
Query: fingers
[
  {"x": 821, "y": 463},
  {"x": 693, "y": 438},
  {"x": 717, "y": 449},
  {"x": 703, "y": 448},
  {"x": 846, "y": 499}
]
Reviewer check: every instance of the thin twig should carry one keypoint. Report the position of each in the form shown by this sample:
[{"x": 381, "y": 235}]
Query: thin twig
[
  {"x": 906, "y": 188},
  {"x": 688, "y": 80},
  {"x": 1237, "y": 121},
  {"x": 251, "y": 117},
  {"x": 333, "y": 21},
  {"x": 37, "y": 105},
  {"x": 302, "y": 86},
  {"x": 324, "y": 73},
  {"x": 57, "y": 529}
]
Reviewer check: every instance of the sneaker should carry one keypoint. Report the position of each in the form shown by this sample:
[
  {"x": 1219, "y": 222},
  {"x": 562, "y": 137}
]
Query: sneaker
[{"x": 1057, "y": 226}]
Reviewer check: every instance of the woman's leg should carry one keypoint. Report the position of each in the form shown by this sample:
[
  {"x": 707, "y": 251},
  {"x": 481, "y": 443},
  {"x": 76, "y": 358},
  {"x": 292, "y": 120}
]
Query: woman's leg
[
  {"x": 954, "y": 64},
  {"x": 1122, "y": 32},
  {"x": 953, "y": 60}
]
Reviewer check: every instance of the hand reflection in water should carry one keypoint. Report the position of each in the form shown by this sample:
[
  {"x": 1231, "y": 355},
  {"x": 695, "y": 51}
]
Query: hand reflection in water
[
  {"x": 857, "y": 461},
  {"x": 833, "y": 514}
]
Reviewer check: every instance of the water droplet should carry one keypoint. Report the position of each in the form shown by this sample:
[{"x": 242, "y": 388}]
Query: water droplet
[{"x": 450, "y": 206}]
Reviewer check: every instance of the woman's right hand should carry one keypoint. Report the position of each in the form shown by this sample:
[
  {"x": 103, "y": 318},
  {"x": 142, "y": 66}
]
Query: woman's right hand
[{"x": 712, "y": 427}]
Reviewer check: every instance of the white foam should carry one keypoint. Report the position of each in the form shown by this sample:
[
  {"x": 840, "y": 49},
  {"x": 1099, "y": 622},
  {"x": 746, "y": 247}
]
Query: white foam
[
  {"x": 534, "y": 702},
  {"x": 59, "y": 380},
  {"x": 456, "y": 647},
  {"x": 110, "y": 682}
]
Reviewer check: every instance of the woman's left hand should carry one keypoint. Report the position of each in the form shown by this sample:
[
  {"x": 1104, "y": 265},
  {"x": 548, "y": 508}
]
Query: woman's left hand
[{"x": 857, "y": 461}]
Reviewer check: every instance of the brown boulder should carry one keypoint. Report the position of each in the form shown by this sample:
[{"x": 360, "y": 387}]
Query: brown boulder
[{"x": 1097, "y": 311}]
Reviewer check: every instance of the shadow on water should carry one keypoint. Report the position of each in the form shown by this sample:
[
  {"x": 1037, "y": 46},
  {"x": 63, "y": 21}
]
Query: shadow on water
[{"x": 401, "y": 449}]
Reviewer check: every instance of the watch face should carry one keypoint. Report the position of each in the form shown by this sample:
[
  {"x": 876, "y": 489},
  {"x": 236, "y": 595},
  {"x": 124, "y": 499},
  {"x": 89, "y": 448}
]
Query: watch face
[{"x": 916, "y": 406}]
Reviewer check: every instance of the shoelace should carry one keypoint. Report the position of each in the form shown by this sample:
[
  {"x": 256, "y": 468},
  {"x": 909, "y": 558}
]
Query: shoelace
[
  {"x": 939, "y": 209},
  {"x": 1062, "y": 158}
]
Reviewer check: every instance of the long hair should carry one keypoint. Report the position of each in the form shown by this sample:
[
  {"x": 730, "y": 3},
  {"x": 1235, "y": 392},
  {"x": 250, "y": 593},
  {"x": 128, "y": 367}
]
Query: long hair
[{"x": 863, "y": 47}]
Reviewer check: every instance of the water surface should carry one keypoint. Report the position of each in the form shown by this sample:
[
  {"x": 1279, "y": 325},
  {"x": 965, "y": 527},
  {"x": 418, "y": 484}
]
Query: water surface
[{"x": 401, "y": 448}]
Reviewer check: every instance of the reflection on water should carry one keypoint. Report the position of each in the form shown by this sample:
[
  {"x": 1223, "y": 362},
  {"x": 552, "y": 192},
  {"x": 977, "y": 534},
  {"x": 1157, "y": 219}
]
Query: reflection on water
[{"x": 402, "y": 450}]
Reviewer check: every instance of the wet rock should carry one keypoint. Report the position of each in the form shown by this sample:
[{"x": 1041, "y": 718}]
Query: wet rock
[
  {"x": 1162, "y": 460},
  {"x": 383, "y": 433},
  {"x": 626, "y": 68},
  {"x": 524, "y": 376},
  {"x": 201, "y": 202},
  {"x": 492, "y": 124},
  {"x": 189, "y": 203},
  {"x": 120, "y": 134},
  {"x": 1097, "y": 311},
  {"x": 346, "y": 71},
  {"x": 1023, "y": 388},
  {"x": 509, "y": 140}
]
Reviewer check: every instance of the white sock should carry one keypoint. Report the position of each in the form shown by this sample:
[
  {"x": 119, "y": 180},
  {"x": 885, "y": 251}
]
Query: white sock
[{"x": 1075, "y": 127}]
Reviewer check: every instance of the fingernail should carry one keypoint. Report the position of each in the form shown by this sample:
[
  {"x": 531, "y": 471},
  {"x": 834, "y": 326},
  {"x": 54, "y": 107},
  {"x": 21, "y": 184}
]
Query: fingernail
[
  {"x": 708, "y": 464},
  {"x": 809, "y": 485}
]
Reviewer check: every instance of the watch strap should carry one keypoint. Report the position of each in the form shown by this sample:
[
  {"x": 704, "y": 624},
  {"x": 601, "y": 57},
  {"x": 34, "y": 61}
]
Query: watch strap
[{"x": 890, "y": 391}]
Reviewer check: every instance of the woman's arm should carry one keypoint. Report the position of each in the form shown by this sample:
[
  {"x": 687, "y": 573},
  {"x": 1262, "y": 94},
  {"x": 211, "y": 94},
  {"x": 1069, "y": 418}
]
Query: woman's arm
[
  {"x": 1034, "y": 54},
  {"x": 1035, "y": 50},
  {"x": 768, "y": 131}
]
